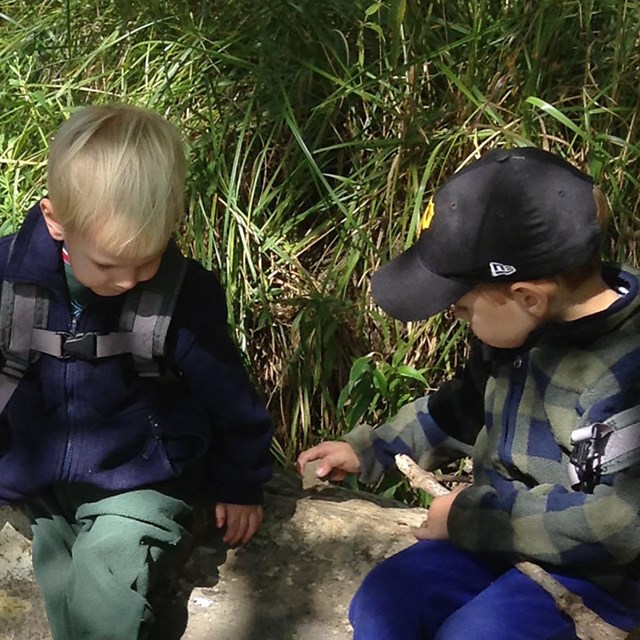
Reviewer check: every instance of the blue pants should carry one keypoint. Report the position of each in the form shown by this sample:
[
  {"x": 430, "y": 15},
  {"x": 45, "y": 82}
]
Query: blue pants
[{"x": 434, "y": 591}]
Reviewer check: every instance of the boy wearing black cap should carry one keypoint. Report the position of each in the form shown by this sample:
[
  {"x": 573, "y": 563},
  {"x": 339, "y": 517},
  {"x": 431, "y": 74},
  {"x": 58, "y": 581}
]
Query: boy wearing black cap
[{"x": 548, "y": 406}]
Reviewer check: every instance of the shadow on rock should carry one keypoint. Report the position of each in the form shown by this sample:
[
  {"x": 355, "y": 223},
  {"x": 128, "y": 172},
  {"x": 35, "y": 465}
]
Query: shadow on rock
[{"x": 295, "y": 580}]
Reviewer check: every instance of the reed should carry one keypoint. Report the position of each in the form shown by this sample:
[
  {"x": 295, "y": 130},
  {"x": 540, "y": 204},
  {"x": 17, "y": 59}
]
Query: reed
[{"x": 316, "y": 131}]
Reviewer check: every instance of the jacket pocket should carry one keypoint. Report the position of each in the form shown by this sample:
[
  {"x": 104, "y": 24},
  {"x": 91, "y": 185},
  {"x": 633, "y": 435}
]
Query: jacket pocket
[{"x": 177, "y": 444}]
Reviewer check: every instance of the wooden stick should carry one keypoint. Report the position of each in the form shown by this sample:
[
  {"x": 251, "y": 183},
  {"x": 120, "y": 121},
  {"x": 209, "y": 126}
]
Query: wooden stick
[
  {"x": 419, "y": 478},
  {"x": 589, "y": 625}
]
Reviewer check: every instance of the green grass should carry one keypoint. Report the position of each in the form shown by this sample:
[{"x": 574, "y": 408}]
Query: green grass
[{"x": 316, "y": 131}]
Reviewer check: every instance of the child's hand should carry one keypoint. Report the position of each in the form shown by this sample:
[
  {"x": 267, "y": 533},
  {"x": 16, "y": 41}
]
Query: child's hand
[
  {"x": 435, "y": 526},
  {"x": 242, "y": 521},
  {"x": 336, "y": 460}
]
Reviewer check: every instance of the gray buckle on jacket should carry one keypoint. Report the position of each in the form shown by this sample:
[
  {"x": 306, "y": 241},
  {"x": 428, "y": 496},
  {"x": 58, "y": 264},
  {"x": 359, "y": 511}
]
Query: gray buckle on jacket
[{"x": 589, "y": 445}]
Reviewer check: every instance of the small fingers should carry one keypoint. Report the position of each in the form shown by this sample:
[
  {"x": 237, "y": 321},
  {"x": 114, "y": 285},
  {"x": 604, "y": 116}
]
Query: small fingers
[
  {"x": 335, "y": 460},
  {"x": 221, "y": 515},
  {"x": 255, "y": 520},
  {"x": 328, "y": 470},
  {"x": 308, "y": 456},
  {"x": 242, "y": 522}
]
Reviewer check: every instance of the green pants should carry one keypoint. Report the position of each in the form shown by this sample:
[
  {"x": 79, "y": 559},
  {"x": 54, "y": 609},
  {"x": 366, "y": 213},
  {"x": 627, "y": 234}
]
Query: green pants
[{"x": 97, "y": 556}]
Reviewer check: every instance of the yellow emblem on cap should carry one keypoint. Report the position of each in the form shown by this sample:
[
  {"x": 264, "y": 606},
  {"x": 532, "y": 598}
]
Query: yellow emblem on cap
[{"x": 427, "y": 216}]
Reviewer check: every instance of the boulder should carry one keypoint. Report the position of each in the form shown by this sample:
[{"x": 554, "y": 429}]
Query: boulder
[{"x": 294, "y": 580}]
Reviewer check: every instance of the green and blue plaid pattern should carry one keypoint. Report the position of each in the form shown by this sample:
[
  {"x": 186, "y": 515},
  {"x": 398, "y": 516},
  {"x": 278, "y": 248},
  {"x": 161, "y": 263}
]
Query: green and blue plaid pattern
[{"x": 522, "y": 504}]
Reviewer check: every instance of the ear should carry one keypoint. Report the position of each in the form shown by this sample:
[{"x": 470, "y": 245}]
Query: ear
[
  {"x": 533, "y": 298},
  {"x": 56, "y": 230}
]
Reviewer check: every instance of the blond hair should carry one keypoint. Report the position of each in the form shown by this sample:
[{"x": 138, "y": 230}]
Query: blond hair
[{"x": 118, "y": 172}]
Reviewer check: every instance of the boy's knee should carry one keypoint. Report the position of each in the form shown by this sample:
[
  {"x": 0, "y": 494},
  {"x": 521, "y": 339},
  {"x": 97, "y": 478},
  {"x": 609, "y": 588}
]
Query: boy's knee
[
  {"x": 375, "y": 596},
  {"x": 488, "y": 619},
  {"x": 371, "y": 594},
  {"x": 387, "y": 605}
]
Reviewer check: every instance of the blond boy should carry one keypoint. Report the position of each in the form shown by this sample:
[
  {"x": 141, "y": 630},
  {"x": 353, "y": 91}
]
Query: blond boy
[{"x": 107, "y": 447}]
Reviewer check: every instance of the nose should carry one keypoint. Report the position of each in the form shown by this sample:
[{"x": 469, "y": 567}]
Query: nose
[
  {"x": 127, "y": 281},
  {"x": 460, "y": 312}
]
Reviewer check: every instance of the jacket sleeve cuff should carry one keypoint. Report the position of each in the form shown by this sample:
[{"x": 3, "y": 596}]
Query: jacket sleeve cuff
[
  {"x": 361, "y": 440},
  {"x": 252, "y": 494}
]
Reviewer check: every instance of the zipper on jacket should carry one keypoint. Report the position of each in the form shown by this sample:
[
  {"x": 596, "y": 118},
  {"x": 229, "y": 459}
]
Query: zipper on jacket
[
  {"x": 510, "y": 412},
  {"x": 155, "y": 443},
  {"x": 68, "y": 387}
]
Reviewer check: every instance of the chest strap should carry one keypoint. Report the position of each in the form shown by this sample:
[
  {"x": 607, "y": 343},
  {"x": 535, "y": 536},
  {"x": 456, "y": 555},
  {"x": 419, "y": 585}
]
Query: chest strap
[{"x": 143, "y": 326}]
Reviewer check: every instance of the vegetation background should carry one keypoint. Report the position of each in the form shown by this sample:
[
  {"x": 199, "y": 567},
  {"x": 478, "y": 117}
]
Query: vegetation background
[{"x": 316, "y": 132}]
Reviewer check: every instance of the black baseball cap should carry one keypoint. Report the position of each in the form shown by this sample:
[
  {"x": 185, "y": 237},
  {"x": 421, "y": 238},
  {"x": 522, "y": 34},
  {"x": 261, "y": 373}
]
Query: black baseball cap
[{"x": 513, "y": 215}]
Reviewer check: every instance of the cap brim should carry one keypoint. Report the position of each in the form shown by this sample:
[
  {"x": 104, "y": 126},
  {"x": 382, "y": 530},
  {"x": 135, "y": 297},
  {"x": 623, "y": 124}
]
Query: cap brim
[{"x": 405, "y": 289}]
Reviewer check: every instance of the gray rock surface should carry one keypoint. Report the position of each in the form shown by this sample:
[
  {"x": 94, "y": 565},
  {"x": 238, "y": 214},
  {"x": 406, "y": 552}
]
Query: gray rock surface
[{"x": 293, "y": 581}]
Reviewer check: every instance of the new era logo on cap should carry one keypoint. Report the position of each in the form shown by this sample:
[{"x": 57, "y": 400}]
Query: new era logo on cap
[{"x": 498, "y": 269}]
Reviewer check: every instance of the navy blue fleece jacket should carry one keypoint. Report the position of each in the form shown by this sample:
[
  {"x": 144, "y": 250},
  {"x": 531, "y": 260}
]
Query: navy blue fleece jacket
[{"x": 97, "y": 422}]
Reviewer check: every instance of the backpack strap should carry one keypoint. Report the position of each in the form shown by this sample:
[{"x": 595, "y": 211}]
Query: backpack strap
[
  {"x": 147, "y": 313},
  {"x": 22, "y": 308},
  {"x": 144, "y": 323}
]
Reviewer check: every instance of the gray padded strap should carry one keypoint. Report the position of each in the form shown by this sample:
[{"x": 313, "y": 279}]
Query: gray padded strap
[
  {"x": 49, "y": 342},
  {"x": 622, "y": 449},
  {"x": 149, "y": 308},
  {"x": 21, "y": 309},
  {"x": 24, "y": 316},
  {"x": 114, "y": 344},
  {"x": 148, "y": 315}
]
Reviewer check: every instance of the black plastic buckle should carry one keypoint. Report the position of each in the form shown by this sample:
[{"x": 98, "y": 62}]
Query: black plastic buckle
[
  {"x": 587, "y": 454},
  {"x": 81, "y": 346},
  {"x": 582, "y": 460}
]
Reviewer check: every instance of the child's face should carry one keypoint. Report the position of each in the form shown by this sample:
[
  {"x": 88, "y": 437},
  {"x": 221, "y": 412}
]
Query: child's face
[
  {"x": 497, "y": 320},
  {"x": 102, "y": 272}
]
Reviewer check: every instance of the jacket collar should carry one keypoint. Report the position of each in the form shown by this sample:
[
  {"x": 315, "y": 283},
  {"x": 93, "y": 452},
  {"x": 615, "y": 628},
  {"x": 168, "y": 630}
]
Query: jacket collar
[
  {"x": 624, "y": 280},
  {"x": 35, "y": 255}
]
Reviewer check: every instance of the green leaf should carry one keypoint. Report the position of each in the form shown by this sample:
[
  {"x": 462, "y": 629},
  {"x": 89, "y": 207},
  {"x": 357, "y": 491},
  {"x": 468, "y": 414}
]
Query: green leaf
[
  {"x": 360, "y": 367},
  {"x": 409, "y": 372},
  {"x": 557, "y": 115}
]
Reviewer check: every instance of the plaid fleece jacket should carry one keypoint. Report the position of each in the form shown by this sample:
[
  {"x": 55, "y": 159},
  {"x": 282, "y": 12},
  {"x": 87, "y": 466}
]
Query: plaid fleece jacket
[{"x": 514, "y": 412}]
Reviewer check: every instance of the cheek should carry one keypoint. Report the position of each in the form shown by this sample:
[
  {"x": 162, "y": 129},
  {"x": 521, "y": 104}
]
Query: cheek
[
  {"x": 85, "y": 273},
  {"x": 511, "y": 333},
  {"x": 148, "y": 272},
  {"x": 497, "y": 329},
  {"x": 481, "y": 327}
]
